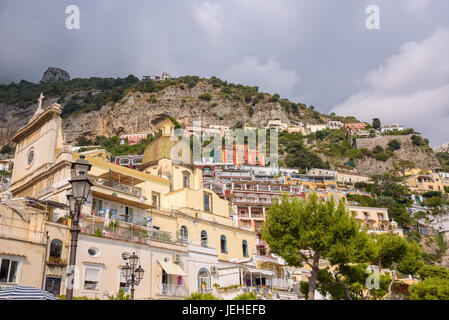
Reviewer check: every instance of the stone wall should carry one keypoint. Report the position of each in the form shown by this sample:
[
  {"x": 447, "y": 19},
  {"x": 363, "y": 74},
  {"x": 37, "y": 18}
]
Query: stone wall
[{"x": 371, "y": 143}]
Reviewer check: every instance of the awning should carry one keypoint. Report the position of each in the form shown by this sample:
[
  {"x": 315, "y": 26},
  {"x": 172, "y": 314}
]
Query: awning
[
  {"x": 172, "y": 268},
  {"x": 259, "y": 271}
]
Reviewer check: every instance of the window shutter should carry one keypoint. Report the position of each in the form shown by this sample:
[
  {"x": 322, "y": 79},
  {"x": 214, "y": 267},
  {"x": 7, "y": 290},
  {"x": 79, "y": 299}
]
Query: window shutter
[{"x": 92, "y": 274}]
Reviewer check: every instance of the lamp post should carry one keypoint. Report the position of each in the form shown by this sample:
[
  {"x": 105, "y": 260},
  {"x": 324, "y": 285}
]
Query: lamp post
[
  {"x": 77, "y": 196},
  {"x": 132, "y": 275}
]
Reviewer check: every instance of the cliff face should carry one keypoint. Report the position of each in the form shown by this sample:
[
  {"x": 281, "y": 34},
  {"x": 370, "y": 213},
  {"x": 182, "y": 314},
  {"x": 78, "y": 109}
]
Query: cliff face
[
  {"x": 134, "y": 113},
  {"x": 415, "y": 156}
]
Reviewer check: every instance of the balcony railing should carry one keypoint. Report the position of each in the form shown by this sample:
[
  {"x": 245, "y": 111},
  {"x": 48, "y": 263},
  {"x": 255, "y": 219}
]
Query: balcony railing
[
  {"x": 171, "y": 290},
  {"x": 280, "y": 283},
  {"x": 128, "y": 231},
  {"x": 136, "y": 191}
]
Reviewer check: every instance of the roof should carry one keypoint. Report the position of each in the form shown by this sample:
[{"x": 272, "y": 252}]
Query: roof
[
  {"x": 126, "y": 171},
  {"x": 41, "y": 118}
]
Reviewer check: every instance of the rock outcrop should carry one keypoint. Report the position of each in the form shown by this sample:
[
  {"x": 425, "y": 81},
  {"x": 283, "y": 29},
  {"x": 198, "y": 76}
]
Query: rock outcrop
[
  {"x": 413, "y": 155},
  {"x": 55, "y": 74}
]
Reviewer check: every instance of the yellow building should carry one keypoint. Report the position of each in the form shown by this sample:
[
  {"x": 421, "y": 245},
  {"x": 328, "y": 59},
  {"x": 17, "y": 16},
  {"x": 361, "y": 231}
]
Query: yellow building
[
  {"x": 375, "y": 219},
  {"x": 98, "y": 153},
  {"x": 162, "y": 212},
  {"x": 424, "y": 183},
  {"x": 416, "y": 171}
]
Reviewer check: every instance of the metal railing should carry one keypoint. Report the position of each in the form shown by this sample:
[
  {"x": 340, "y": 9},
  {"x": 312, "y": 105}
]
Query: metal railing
[
  {"x": 136, "y": 191},
  {"x": 171, "y": 290}
]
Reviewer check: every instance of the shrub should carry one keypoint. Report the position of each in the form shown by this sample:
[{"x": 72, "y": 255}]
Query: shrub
[
  {"x": 246, "y": 296},
  {"x": 121, "y": 295},
  {"x": 205, "y": 97},
  {"x": 201, "y": 296},
  {"x": 417, "y": 140},
  {"x": 394, "y": 145},
  {"x": 275, "y": 98}
]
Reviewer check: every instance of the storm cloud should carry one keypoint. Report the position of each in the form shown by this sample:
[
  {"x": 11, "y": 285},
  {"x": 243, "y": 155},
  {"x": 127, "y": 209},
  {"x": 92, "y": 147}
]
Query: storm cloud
[{"x": 314, "y": 52}]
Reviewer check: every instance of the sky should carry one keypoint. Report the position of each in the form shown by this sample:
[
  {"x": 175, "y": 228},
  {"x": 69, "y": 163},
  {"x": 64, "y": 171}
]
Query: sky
[{"x": 317, "y": 52}]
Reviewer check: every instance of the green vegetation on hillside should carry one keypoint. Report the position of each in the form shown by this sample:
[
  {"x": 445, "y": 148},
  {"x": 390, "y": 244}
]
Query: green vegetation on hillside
[
  {"x": 114, "y": 146},
  {"x": 443, "y": 158}
]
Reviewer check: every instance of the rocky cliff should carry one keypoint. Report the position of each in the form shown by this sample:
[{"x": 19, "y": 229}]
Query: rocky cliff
[{"x": 408, "y": 155}]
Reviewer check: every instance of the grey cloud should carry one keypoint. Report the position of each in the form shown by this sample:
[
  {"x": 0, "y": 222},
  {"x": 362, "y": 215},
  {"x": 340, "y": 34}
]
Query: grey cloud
[{"x": 324, "y": 43}]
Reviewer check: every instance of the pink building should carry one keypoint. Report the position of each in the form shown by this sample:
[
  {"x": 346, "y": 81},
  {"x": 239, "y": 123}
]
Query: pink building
[{"x": 134, "y": 138}]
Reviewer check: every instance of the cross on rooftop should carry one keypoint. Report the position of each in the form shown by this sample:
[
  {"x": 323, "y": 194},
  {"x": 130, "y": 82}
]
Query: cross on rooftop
[{"x": 41, "y": 97}]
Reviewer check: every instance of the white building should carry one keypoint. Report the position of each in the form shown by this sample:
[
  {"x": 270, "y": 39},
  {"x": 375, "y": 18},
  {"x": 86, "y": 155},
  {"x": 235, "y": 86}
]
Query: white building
[
  {"x": 312, "y": 128},
  {"x": 333, "y": 125},
  {"x": 277, "y": 124},
  {"x": 391, "y": 127}
]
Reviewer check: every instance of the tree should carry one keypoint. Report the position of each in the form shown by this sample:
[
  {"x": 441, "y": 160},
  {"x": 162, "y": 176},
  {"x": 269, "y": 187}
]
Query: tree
[
  {"x": 429, "y": 271},
  {"x": 305, "y": 231},
  {"x": 376, "y": 124},
  {"x": 395, "y": 252},
  {"x": 430, "y": 289}
]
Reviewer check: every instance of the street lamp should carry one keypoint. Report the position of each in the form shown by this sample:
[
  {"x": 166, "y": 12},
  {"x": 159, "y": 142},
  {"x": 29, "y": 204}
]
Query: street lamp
[
  {"x": 132, "y": 275},
  {"x": 77, "y": 196}
]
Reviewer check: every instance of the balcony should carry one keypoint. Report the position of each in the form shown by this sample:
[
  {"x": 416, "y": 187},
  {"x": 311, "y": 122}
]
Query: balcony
[
  {"x": 171, "y": 290},
  {"x": 136, "y": 191},
  {"x": 134, "y": 230}
]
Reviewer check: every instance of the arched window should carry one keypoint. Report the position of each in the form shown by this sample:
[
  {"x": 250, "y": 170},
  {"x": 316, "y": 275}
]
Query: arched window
[
  {"x": 203, "y": 238},
  {"x": 223, "y": 244},
  {"x": 55, "y": 249},
  {"x": 184, "y": 234},
  {"x": 203, "y": 280},
  {"x": 245, "y": 248}
]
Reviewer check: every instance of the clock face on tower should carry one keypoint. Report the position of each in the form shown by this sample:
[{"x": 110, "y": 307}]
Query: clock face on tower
[{"x": 30, "y": 157}]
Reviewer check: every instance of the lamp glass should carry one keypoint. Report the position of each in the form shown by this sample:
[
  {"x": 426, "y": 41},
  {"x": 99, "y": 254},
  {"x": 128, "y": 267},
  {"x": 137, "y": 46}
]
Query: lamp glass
[
  {"x": 133, "y": 259},
  {"x": 72, "y": 202},
  {"x": 126, "y": 271},
  {"x": 79, "y": 186},
  {"x": 139, "y": 273},
  {"x": 87, "y": 189}
]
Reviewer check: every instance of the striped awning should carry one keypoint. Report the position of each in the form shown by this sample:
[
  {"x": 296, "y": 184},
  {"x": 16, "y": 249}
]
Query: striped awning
[{"x": 25, "y": 293}]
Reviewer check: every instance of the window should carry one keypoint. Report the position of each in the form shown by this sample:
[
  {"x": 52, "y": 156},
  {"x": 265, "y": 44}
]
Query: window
[
  {"x": 204, "y": 238},
  {"x": 93, "y": 252},
  {"x": 245, "y": 248},
  {"x": 30, "y": 157},
  {"x": 223, "y": 245},
  {"x": 155, "y": 199},
  {"x": 203, "y": 280},
  {"x": 124, "y": 162},
  {"x": 98, "y": 205},
  {"x": 184, "y": 234},
  {"x": 56, "y": 249},
  {"x": 185, "y": 181},
  {"x": 92, "y": 279},
  {"x": 8, "y": 270},
  {"x": 207, "y": 200}
]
